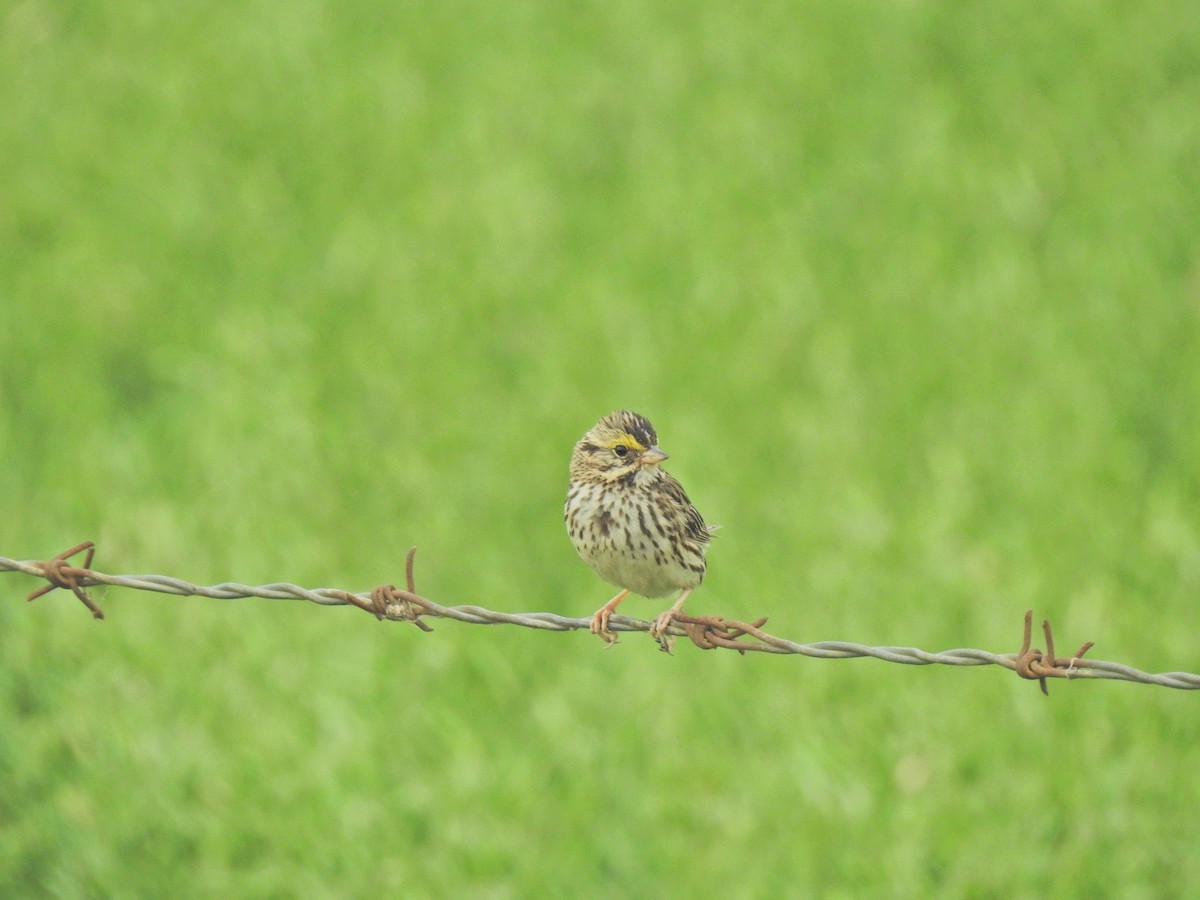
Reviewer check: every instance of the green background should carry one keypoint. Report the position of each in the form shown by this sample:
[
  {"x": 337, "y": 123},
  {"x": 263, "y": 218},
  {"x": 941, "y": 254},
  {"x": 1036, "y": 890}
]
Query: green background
[{"x": 911, "y": 292}]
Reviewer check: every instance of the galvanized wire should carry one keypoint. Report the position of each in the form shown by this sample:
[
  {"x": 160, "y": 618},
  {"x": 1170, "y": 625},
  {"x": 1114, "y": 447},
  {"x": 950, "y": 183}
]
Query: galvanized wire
[{"x": 391, "y": 603}]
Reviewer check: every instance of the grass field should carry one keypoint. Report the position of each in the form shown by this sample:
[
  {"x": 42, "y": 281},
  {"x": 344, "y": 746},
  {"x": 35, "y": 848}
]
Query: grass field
[{"x": 910, "y": 290}]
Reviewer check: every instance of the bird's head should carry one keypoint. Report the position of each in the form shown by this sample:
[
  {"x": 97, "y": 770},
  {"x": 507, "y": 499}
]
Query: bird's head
[{"x": 620, "y": 445}]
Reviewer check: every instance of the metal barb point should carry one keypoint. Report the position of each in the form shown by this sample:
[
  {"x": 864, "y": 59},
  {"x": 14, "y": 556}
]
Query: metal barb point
[
  {"x": 1026, "y": 657},
  {"x": 389, "y": 602},
  {"x": 73, "y": 578},
  {"x": 1031, "y": 663},
  {"x": 710, "y": 632}
]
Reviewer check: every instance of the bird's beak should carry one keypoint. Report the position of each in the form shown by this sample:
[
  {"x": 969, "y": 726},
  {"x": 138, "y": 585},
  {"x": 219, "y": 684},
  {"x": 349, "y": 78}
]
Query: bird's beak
[{"x": 653, "y": 457}]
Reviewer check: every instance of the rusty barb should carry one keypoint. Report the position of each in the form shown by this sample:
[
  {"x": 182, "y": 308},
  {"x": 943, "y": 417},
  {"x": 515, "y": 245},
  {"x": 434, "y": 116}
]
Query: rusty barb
[
  {"x": 711, "y": 632},
  {"x": 1036, "y": 665},
  {"x": 73, "y": 578},
  {"x": 389, "y": 603}
]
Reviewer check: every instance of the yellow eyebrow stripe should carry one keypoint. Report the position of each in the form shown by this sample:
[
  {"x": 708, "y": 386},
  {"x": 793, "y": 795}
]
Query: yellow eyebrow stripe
[{"x": 628, "y": 440}]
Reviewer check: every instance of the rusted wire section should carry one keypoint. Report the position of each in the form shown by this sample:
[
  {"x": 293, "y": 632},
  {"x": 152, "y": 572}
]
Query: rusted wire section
[
  {"x": 387, "y": 602},
  {"x": 60, "y": 575},
  {"x": 1034, "y": 664}
]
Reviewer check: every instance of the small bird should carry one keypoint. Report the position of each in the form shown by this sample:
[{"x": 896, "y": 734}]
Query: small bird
[{"x": 631, "y": 521}]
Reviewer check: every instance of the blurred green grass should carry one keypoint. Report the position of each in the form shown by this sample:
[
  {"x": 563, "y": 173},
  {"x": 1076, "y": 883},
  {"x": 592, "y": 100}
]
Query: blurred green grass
[{"x": 911, "y": 292}]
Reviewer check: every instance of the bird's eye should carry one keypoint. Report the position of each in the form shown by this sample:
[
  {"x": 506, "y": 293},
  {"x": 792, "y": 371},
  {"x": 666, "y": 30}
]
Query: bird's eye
[{"x": 621, "y": 450}]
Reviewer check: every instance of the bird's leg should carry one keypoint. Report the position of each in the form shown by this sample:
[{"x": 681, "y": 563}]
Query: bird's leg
[
  {"x": 663, "y": 622},
  {"x": 600, "y": 619}
]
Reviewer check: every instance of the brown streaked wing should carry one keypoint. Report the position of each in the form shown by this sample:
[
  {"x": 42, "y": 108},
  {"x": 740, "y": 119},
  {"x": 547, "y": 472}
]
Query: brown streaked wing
[{"x": 693, "y": 521}]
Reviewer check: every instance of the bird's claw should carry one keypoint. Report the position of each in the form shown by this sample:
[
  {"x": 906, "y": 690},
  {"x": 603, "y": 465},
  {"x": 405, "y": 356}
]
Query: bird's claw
[
  {"x": 599, "y": 627},
  {"x": 658, "y": 631}
]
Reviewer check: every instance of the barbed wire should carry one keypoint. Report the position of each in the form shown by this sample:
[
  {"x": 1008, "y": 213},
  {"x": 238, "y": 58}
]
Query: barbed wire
[{"x": 388, "y": 602}]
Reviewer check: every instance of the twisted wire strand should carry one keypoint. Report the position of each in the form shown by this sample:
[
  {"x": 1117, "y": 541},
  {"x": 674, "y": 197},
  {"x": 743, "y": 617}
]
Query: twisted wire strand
[{"x": 401, "y": 605}]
